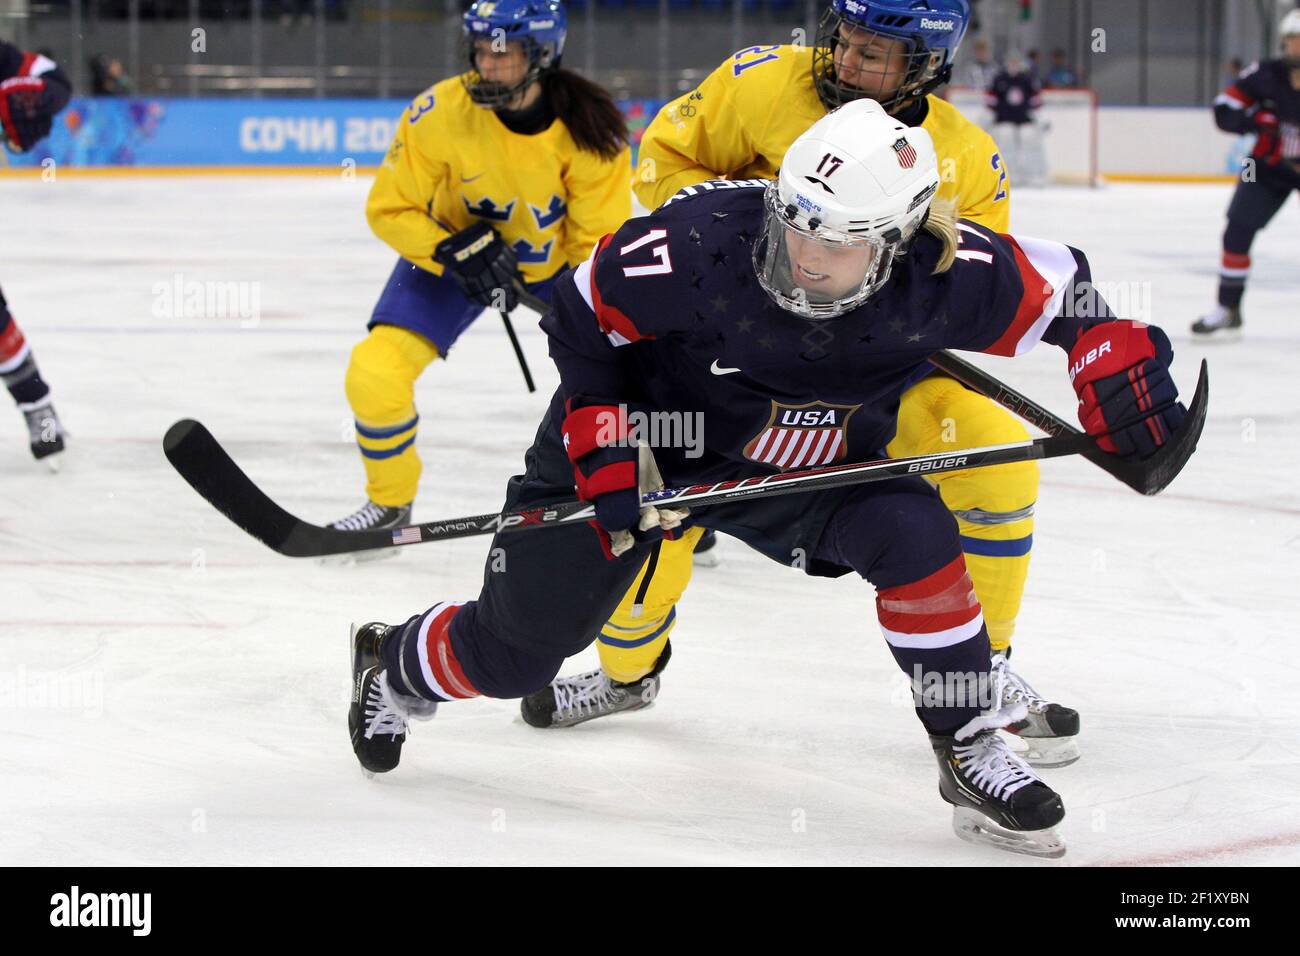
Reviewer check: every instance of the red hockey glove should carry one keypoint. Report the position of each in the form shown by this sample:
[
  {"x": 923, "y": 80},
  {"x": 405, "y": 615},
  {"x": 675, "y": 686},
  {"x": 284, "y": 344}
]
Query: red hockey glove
[
  {"x": 609, "y": 471},
  {"x": 1127, "y": 399},
  {"x": 24, "y": 119},
  {"x": 1269, "y": 129}
]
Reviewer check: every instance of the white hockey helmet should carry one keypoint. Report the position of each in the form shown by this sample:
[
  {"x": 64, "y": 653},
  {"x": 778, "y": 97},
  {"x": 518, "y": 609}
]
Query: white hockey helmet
[
  {"x": 851, "y": 193},
  {"x": 1290, "y": 27}
]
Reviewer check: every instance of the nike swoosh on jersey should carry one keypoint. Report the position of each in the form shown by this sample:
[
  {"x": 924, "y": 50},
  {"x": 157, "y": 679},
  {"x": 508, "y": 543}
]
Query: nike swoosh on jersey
[
  {"x": 472, "y": 178},
  {"x": 717, "y": 369}
]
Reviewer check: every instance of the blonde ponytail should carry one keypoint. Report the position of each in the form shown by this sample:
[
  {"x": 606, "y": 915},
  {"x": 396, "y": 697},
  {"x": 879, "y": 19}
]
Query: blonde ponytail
[{"x": 942, "y": 224}]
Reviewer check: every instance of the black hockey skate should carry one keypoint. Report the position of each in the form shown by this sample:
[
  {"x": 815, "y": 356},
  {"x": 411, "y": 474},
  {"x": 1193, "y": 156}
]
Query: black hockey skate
[
  {"x": 371, "y": 517},
  {"x": 1220, "y": 323},
  {"x": 706, "y": 550},
  {"x": 43, "y": 428},
  {"x": 997, "y": 800},
  {"x": 567, "y": 701},
  {"x": 378, "y": 716},
  {"x": 1048, "y": 730}
]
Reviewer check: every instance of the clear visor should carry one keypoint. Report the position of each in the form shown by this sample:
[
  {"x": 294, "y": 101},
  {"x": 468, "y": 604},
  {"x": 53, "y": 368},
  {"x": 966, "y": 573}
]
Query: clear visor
[{"x": 812, "y": 274}]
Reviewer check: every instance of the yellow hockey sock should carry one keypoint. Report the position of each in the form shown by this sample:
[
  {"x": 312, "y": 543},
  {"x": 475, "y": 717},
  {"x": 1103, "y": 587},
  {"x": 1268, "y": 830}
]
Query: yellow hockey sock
[{"x": 380, "y": 386}]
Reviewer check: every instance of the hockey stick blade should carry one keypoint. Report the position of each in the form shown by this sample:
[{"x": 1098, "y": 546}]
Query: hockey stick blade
[
  {"x": 201, "y": 461},
  {"x": 210, "y": 471},
  {"x": 1145, "y": 477},
  {"x": 1153, "y": 475}
]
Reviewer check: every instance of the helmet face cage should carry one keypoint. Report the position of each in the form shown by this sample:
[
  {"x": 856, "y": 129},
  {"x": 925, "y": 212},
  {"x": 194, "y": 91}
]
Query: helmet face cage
[
  {"x": 924, "y": 69},
  {"x": 538, "y": 25},
  {"x": 775, "y": 268},
  {"x": 497, "y": 95}
]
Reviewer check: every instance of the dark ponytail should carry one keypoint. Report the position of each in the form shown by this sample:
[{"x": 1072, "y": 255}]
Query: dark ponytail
[{"x": 587, "y": 110}]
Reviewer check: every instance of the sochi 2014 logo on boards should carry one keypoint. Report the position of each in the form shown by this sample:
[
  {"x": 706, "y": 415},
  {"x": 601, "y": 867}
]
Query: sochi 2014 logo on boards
[{"x": 802, "y": 436}]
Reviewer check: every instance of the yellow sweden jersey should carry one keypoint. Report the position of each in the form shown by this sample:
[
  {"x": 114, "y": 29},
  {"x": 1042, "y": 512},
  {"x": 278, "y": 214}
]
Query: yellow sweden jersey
[
  {"x": 739, "y": 122},
  {"x": 453, "y": 163}
]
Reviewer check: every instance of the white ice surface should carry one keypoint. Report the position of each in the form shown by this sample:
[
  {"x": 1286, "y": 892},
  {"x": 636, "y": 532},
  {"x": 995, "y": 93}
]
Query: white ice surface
[{"x": 173, "y": 692}]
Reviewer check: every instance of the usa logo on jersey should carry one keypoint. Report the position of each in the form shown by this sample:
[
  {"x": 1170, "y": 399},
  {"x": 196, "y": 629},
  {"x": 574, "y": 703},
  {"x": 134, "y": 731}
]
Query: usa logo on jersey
[{"x": 802, "y": 436}]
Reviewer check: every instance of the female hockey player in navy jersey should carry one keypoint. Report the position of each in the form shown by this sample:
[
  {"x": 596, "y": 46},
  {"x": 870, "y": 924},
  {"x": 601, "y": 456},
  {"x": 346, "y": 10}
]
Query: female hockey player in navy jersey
[
  {"x": 1265, "y": 100},
  {"x": 507, "y": 173},
  {"x": 706, "y": 306},
  {"x": 32, "y": 91}
]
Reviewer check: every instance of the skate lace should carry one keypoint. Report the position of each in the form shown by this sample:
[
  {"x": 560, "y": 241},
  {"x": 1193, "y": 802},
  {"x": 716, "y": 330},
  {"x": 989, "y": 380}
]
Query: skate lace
[
  {"x": 387, "y": 712},
  {"x": 1013, "y": 688},
  {"x": 589, "y": 692},
  {"x": 364, "y": 517},
  {"x": 993, "y": 767}
]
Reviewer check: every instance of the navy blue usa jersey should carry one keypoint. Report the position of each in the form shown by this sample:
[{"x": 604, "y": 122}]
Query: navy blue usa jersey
[
  {"x": 1013, "y": 97},
  {"x": 667, "y": 314},
  {"x": 15, "y": 61},
  {"x": 1265, "y": 87}
]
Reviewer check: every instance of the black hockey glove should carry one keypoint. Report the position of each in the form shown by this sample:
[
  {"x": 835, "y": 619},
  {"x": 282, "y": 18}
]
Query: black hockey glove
[{"x": 484, "y": 267}]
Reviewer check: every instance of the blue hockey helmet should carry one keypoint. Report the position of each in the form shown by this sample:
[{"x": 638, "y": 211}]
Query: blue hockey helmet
[
  {"x": 539, "y": 25},
  {"x": 931, "y": 31}
]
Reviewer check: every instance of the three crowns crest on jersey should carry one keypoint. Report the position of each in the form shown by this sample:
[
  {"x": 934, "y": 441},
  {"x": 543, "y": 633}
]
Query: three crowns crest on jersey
[{"x": 802, "y": 436}]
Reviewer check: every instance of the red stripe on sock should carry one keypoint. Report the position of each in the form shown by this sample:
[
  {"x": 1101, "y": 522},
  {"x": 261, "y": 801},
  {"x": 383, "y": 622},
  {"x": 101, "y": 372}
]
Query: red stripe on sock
[
  {"x": 11, "y": 341},
  {"x": 442, "y": 659}
]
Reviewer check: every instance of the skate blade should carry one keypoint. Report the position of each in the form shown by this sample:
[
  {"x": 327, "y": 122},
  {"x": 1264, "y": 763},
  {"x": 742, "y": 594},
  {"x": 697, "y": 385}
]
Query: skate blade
[
  {"x": 973, "y": 827},
  {"x": 575, "y": 721},
  {"x": 1044, "y": 752},
  {"x": 1050, "y": 752},
  {"x": 354, "y": 558}
]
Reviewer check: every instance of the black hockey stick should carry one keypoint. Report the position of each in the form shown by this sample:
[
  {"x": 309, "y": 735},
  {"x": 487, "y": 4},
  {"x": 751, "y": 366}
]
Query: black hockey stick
[
  {"x": 519, "y": 352},
  {"x": 202, "y": 462},
  {"x": 1147, "y": 477}
]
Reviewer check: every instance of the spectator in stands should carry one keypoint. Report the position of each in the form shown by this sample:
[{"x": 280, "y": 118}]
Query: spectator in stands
[
  {"x": 1034, "y": 66},
  {"x": 108, "y": 78},
  {"x": 1060, "y": 76},
  {"x": 977, "y": 73}
]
